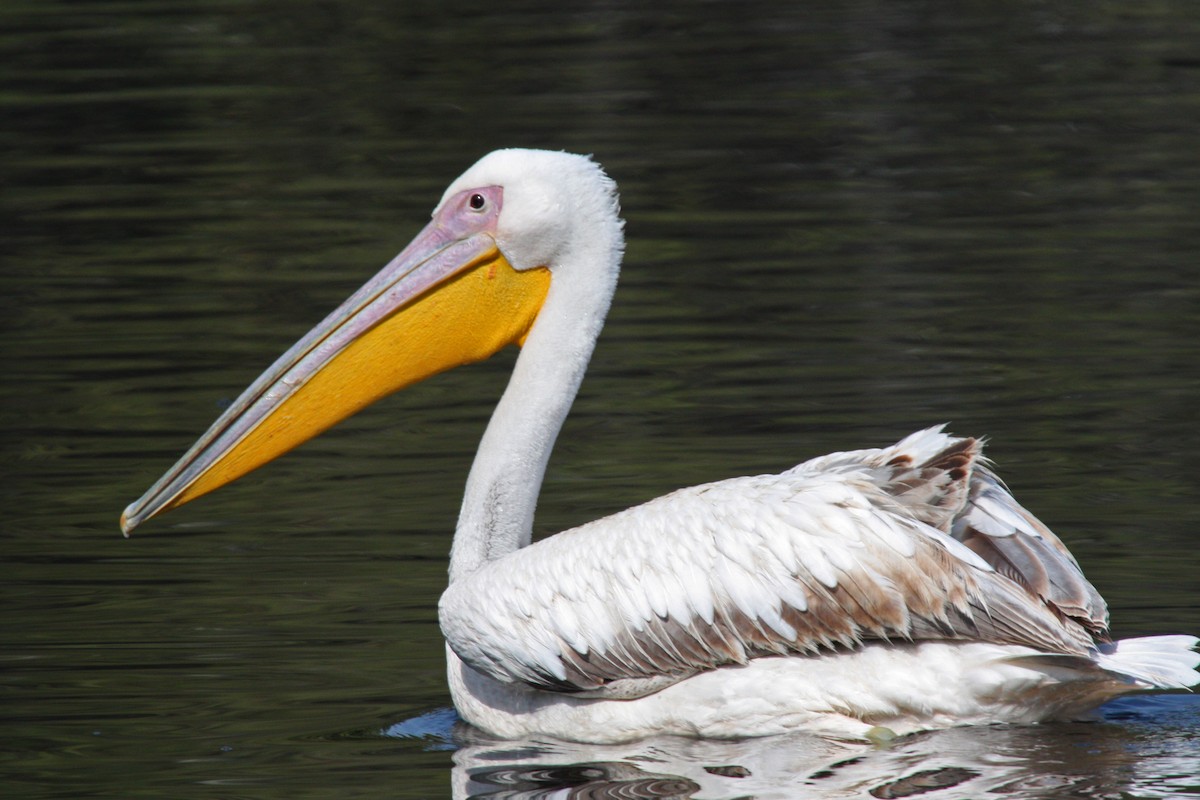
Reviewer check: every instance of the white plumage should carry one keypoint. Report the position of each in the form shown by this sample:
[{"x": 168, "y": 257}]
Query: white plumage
[
  {"x": 751, "y": 548},
  {"x": 899, "y": 588}
]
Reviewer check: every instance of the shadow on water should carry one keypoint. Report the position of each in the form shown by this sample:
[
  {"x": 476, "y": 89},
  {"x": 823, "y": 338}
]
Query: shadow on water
[{"x": 1144, "y": 747}]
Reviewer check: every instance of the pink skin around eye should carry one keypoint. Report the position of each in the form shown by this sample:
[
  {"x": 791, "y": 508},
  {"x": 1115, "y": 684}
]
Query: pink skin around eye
[{"x": 464, "y": 214}]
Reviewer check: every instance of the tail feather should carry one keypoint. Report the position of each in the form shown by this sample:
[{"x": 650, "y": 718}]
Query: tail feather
[{"x": 1160, "y": 662}]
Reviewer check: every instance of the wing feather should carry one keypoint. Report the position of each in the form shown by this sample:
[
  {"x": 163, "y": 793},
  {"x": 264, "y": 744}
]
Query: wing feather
[{"x": 916, "y": 541}]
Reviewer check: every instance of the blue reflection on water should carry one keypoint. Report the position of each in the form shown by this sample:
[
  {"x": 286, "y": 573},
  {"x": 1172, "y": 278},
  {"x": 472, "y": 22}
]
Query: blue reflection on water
[{"x": 434, "y": 728}]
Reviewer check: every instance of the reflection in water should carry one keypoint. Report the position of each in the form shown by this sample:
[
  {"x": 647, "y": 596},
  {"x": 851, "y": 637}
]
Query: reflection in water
[
  {"x": 791, "y": 766},
  {"x": 1080, "y": 759},
  {"x": 594, "y": 780}
]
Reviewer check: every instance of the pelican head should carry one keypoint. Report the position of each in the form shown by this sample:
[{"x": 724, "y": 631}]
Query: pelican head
[{"x": 504, "y": 236}]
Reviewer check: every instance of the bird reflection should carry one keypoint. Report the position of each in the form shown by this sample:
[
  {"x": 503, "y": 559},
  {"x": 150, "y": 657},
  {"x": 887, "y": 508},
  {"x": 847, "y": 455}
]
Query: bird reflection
[
  {"x": 958, "y": 763},
  {"x": 600, "y": 780},
  {"x": 1145, "y": 747}
]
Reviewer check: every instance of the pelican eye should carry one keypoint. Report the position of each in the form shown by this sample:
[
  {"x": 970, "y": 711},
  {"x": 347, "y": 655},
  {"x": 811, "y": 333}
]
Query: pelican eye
[{"x": 477, "y": 202}]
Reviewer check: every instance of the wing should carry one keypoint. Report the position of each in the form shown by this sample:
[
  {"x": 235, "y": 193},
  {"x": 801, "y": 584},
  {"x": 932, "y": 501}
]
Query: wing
[{"x": 916, "y": 541}]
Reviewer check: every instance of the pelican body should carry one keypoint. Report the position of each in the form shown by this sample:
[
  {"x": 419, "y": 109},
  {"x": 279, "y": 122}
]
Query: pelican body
[{"x": 897, "y": 588}]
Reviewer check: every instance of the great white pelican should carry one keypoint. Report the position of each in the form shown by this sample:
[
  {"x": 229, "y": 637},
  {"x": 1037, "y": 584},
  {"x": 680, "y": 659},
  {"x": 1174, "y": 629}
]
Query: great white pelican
[{"x": 891, "y": 589}]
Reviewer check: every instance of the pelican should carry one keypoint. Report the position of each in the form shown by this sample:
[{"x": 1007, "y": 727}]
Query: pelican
[{"x": 881, "y": 590}]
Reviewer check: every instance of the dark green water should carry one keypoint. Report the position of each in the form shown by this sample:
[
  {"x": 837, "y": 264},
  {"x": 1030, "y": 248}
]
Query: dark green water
[{"x": 846, "y": 221}]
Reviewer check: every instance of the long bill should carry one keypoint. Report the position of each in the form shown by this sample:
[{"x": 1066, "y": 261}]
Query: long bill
[{"x": 450, "y": 298}]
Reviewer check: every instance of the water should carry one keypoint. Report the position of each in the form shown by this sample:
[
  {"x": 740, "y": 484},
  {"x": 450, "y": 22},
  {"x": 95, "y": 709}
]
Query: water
[{"x": 845, "y": 222}]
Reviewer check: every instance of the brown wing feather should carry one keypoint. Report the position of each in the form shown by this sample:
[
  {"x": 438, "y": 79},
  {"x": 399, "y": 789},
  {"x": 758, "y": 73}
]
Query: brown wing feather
[{"x": 1031, "y": 555}]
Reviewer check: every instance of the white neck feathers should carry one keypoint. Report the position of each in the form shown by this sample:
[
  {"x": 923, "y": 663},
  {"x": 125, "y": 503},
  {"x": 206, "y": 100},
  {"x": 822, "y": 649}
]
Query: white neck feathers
[{"x": 502, "y": 490}]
